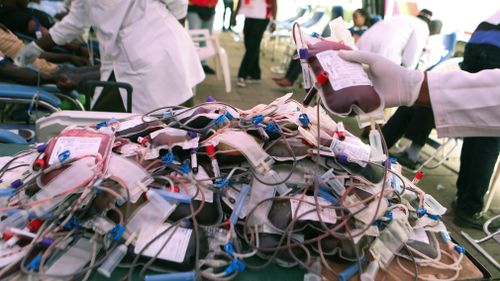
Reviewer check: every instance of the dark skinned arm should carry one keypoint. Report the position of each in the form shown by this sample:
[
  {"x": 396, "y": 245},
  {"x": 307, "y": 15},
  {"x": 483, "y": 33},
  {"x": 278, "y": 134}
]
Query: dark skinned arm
[
  {"x": 423, "y": 98},
  {"x": 233, "y": 16},
  {"x": 60, "y": 58},
  {"x": 23, "y": 75}
]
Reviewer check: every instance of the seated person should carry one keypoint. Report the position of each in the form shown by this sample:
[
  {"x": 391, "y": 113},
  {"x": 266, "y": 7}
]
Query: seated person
[
  {"x": 10, "y": 46},
  {"x": 17, "y": 17},
  {"x": 415, "y": 123},
  {"x": 361, "y": 20},
  {"x": 9, "y": 72}
]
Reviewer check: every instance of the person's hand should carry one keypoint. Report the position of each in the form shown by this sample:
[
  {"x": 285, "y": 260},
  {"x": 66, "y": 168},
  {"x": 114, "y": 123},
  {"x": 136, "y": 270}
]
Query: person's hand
[
  {"x": 65, "y": 82},
  {"x": 28, "y": 54},
  {"x": 395, "y": 84},
  {"x": 272, "y": 27}
]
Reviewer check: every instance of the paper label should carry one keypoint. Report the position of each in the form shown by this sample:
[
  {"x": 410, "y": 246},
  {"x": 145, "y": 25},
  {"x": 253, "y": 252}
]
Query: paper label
[
  {"x": 152, "y": 213},
  {"x": 336, "y": 184},
  {"x": 356, "y": 152},
  {"x": 151, "y": 153},
  {"x": 327, "y": 215},
  {"x": 434, "y": 205},
  {"x": 419, "y": 235},
  {"x": 175, "y": 249},
  {"x": 16, "y": 253},
  {"x": 77, "y": 146},
  {"x": 127, "y": 124},
  {"x": 342, "y": 73}
]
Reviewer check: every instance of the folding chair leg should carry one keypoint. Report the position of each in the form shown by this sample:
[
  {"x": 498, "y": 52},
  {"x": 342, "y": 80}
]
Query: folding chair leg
[
  {"x": 495, "y": 183},
  {"x": 488, "y": 236},
  {"x": 224, "y": 64}
]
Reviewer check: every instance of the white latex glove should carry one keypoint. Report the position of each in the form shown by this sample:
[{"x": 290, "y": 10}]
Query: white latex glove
[
  {"x": 28, "y": 54},
  {"x": 395, "y": 84}
]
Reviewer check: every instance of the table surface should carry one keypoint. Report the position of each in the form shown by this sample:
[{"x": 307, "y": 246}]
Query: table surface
[{"x": 275, "y": 273}]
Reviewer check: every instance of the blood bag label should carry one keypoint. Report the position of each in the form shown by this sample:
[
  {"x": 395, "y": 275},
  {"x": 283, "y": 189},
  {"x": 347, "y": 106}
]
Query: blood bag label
[
  {"x": 174, "y": 250},
  {"x": 342, "y": 73},
  {"x": 77, "y": 146},
  {"x": 328, "y": 215},
  {"x": 419, "y": 235}
]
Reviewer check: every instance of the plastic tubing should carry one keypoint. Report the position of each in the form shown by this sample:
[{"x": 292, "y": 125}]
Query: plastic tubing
[
  {"x": 349, "y": 272},
  {"x": 177, "y": 276},
  {"x": 245, "y": 189}
]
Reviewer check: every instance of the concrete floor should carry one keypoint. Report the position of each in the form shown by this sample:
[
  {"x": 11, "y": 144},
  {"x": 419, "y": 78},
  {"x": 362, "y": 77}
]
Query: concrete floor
[{"x": 439, "y": 182}]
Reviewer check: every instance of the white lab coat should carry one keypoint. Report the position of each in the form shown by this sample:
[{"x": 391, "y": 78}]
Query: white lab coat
[
  {"x": 466, "y": 104},
  {"x": 143, "y": 43},
  {"x": 401, "y": 39}
]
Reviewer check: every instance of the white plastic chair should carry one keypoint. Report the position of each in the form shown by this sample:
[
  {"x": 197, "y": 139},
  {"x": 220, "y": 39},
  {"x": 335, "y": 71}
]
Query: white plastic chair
[{"x": 212, "y": 50}]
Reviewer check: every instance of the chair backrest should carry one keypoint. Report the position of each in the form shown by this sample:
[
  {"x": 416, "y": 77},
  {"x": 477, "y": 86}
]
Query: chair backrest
[
  {"x": 7, "y": 136},
  {"x": 374, "y": 19},
  {"x": 205, "y": 44},
  {"x": 316, "y": 17},
  {"x": 302, "y": 11},
  {"x": 449, "y": 42}
]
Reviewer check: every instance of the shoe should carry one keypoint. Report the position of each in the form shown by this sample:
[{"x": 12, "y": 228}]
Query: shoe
[
  {"x": 454, "y": 205},
  {"x": 475, "y": 221},
  {"x": 241, "y": 83},
  {"x": 251, "y": 80},
  {"x": 285, "y": 83},
  {"x": 275, "y": 79},
  {"x": 403, "y": 159},
  {"x": 208, "y": 70}
]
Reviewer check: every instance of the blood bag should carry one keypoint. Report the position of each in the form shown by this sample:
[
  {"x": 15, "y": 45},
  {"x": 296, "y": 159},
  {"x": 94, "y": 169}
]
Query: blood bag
[
  {"x": 76, "y": 142},
  {"x": 349, "y": 90}
]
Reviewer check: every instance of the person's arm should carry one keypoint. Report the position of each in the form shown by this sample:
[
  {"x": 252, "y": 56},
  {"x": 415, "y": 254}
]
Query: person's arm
[
  {"x": 464, "y": 104},
  {"x": 274, "y": 9},
  {"x": 73, "y": 25},
  {"x": 61, "y": 58},
  {"x": 423, "y": 98},
  {"x": 23, "y": 75},
  {"x": 235, "y": 13}
]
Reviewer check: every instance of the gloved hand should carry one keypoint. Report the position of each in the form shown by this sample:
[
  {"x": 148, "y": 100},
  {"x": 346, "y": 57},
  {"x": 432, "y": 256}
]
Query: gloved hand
[
  {"x": 395, "y": 84},
  {"x": 28, "y": 54}
]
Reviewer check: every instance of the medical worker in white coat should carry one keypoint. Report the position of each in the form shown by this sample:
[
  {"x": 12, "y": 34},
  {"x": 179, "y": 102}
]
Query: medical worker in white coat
[
  {"x": 141, "y": 43},
  {"x": 464, "y": 104}
]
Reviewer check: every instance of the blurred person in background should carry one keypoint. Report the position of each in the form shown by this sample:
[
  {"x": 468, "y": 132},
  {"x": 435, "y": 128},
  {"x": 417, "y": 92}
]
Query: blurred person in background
[
  {"x": 201, "y": 14},
  {"x": 479, "y": 154},
  {"x": 228, "y": 5},
  {"x": 258, "y": 14},
  {"x": 141, "y": 43},
  {"x": 362, "y": 22}
]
